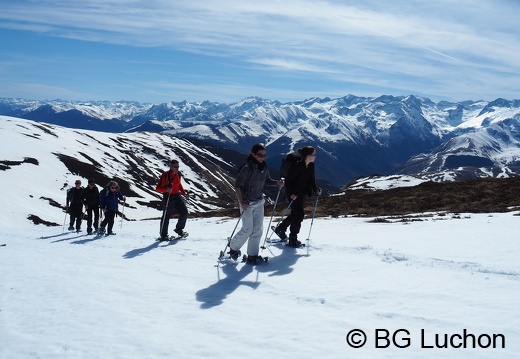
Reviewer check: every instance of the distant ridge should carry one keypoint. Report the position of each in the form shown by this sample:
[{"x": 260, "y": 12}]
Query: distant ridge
[{"x": 355, "y": 136}]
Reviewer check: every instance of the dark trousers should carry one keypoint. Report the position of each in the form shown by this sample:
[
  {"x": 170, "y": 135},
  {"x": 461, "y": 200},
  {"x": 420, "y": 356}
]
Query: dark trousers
[
  {"x": 109, "y": 219},
  {"x": 92, "y": 211},
  {"x": 294, "y": 220},
  {"x": 175, "y": 203},
  {"x": 76, "y": 215}
]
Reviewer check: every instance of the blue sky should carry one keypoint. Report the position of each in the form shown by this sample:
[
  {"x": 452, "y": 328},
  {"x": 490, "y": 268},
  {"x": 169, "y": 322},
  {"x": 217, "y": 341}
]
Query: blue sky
[{"x": 287, "y": 50}]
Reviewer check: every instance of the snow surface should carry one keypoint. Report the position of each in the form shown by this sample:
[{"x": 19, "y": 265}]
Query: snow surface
[
  {"x": 375, "y": 183},
  {"x": 69, "y": 295}
]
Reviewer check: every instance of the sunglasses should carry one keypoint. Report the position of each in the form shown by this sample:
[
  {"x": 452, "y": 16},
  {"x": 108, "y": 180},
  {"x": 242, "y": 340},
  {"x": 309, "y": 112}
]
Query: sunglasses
[
  {"x": 113, "y": 187},
  {"x": 260, "y": 155},
  {"x": 174, "y": 166},
  {"x": 78, "y": 183}
]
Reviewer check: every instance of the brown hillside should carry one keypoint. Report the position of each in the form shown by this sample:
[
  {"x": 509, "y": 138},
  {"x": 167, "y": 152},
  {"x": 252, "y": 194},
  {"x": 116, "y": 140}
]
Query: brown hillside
[{"x": 473, "y": 196}]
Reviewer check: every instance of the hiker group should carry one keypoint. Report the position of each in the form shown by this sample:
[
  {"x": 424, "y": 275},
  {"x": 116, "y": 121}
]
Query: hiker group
[
  {"x": 297, "y": 178},
  {"x": 94, "y": 201}
]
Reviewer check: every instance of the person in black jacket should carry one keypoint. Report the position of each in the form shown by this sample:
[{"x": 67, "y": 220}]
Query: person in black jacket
[
  {"x": 300, "y": 181},
  {"x": 91, "y": 201},
  {"x": 75, "y": 206}
]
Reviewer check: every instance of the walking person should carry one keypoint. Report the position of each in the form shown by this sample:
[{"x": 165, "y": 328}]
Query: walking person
[
  {"x": 91, "y": 201},
  {"x": 300, "y": 182},
  {"x": 249, "y": 185},
  {"x": 173, "y": 192},
  {"x": 108, "y": 202},
  {"x": 74, "y": 205}
]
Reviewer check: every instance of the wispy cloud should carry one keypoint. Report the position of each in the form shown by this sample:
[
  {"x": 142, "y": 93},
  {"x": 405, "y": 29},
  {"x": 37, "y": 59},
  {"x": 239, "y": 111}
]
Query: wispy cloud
[{"x": 441, "y": 42}]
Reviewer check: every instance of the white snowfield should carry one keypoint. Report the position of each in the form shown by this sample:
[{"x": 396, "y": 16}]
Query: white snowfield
[{"x": 444, "y": 286}]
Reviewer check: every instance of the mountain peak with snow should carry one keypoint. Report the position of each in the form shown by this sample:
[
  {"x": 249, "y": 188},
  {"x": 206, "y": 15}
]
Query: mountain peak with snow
[{"x": 355, "y": 136}]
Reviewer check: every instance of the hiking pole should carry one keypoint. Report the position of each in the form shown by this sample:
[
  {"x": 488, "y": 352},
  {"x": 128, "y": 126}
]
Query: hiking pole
[
  {"x": 229, "y": 238},
  {"x": 65, "y": 220},
  {"x": 281, "y": 218},
  {"x": 271, "y": 219},
  {"x": 123, "y": 212},
  {"x": 312, "y": 221},
  {"x": 164, "y": 214}
]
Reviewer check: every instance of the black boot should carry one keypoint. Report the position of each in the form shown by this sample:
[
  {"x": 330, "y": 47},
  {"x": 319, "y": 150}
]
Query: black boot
[
  {"x": 280, "y": 232},
  {"x": 255, "y": 259},
  {"x": 234, "y": 254},
  {"x": 293, "y": 241}
]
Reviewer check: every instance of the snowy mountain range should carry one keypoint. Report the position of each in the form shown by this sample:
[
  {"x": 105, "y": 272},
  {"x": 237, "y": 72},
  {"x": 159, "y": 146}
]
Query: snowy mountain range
[{"x": 355, "y": 136}]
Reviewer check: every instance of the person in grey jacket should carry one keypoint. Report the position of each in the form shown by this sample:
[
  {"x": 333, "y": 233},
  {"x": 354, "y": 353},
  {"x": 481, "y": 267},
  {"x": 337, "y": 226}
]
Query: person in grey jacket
[{"x": 249, "y": 185}]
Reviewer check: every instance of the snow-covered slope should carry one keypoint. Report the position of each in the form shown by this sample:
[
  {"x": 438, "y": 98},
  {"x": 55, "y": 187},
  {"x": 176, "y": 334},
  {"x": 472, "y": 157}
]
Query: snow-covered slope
[
  {"x": 436, "y": 278},
  {"x": 41, "y": 161}
]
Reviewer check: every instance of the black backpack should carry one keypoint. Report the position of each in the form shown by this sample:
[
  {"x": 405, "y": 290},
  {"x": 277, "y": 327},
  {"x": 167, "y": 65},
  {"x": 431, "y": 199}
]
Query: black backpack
[{"x": 288, "y": 162}]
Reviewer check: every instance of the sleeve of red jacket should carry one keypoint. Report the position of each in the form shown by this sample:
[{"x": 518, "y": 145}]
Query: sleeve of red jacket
[
  {"x": 177, "y": 185},
  {"x": 181, "y": 188}
]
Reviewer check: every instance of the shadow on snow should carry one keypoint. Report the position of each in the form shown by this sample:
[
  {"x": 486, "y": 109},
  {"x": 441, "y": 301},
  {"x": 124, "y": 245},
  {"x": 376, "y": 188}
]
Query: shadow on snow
[
  {"x": 140, "y": 251},
  {"x": 235, "y": 275}
]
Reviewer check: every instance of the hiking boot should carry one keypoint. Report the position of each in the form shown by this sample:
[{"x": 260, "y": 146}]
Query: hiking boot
[
  {"x": 254, "y": 259},
  {"x": 293, "y": 241},
  {"x": 234, "y": 254},
  {"x": 71, "y": 228},
  {"x": 281, "y": 234},
  {"x": 179, "y": 232},
  {"x": 101, "y": 230}
]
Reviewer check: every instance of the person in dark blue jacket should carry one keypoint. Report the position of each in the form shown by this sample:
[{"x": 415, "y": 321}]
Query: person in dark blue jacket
[{"x": 108, "y": 202}]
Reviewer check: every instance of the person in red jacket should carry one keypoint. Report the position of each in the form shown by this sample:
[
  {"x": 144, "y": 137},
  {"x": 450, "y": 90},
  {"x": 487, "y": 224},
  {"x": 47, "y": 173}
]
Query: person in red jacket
[{"x": 171, "y": 187}]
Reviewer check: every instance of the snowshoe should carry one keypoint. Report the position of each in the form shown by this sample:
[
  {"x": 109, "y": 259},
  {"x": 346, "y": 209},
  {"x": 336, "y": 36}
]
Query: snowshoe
[
  {"x": 294, "y": 243},
  {"x": 300, "y": 245},
  {"x": 181, "y": 233},
  {"x": 173, "y": 238},
  {"x": 280, "y": 236},
  {"x": 231, "y": 255},
  {"x": 254, "y": 259},
  {"x": 184, "y": 235}
]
